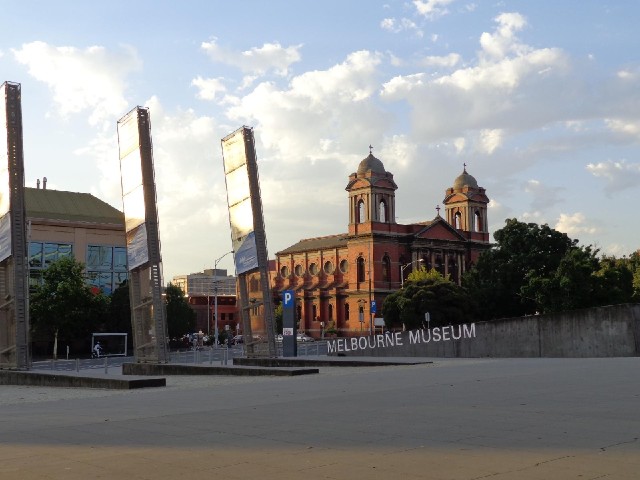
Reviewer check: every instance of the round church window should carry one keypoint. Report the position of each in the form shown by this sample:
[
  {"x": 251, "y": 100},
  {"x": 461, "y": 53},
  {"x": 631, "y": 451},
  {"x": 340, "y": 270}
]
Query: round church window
[
  {"x": 299, "y": 270},
  {"x": 284, "y": 271},
  {"x": 313, "y": 269},
  {"x": 344, "y": 266},
  {"x": 328, "y": 268}
]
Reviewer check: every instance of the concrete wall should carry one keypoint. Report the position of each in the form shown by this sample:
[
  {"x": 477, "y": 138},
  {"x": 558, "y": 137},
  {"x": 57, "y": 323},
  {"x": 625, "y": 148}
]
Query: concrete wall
[{"x": 612, "y": 331}]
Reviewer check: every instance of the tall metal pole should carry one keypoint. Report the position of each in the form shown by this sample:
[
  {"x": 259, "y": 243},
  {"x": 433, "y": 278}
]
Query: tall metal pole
[
  {"x": 208, "y": 317},
  {"x": 371, "y": 314},
  {"x": 215, "y": 297}
]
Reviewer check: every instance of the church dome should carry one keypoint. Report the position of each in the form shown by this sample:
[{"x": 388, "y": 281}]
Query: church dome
[
  {"x": 465, "y": 180},
  {"x": 370, "y": 164}
]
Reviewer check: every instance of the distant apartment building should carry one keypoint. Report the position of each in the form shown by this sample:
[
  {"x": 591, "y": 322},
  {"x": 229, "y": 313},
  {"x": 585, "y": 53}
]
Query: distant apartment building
[{"x": 208, "y": 288}]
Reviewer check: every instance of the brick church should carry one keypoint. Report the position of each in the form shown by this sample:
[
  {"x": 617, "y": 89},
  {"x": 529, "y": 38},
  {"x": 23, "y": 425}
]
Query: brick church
[{"x": 341, "y": 281}]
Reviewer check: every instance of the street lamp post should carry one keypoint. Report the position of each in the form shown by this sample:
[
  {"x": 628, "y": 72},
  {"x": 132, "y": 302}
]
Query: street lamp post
[
  {"x": 215, "y": 297},
  {"x": 361, "y": 304},
  {"x": 208, "y": 318},
  {"x": 402, "y": 267}
]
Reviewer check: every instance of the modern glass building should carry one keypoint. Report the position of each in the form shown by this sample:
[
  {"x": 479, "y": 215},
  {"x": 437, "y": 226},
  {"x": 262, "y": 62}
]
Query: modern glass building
[{"x": 80, "y": 225}]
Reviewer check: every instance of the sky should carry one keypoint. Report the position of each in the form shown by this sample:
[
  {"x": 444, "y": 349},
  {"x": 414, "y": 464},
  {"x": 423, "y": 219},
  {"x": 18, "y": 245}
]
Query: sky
[{"x": 540, "y": 99}]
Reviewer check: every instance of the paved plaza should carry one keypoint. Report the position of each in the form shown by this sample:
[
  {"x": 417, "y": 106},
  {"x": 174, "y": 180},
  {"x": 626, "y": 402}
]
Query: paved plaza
[{"x": 451, "y": 419}]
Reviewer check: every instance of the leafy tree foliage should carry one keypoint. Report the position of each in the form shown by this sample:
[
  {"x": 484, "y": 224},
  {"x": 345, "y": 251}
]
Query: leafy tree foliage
[
  {"x": 423, "y": 275},
  {"x": 277, "y": 312},
  {"x": 64, "y": 307},
  {"x": 119, "y": 311},
  {"x": 633, "y": 263},
  {"x": 615, "y": 282},
  {"x": 536, "y": 269},
  {"x": 427, "y": 291},
  {"x": 181, "y": 318}
]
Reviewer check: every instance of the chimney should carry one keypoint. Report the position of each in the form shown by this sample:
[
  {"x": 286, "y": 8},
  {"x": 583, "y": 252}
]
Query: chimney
[
  {"x": 44, "y": 183},
  {"x": 38, "y": 184}
]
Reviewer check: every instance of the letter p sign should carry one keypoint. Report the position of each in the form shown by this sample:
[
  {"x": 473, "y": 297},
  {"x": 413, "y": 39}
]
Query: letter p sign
[{"x": 287, "y": 298}]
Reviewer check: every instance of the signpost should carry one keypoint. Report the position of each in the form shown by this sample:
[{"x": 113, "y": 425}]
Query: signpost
[{"x": 289, "y": 334}]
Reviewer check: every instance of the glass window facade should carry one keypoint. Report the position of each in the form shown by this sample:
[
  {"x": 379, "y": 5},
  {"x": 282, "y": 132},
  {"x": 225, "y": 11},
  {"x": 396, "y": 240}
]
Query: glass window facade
[
  {"x": 106, "y": 267},
  {"x": 41, "y": 255}
]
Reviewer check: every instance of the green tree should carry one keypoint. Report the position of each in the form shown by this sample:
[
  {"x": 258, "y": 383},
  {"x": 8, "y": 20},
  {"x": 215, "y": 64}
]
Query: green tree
[
  {"x": 181, "y": 318},
  {"x": 570, "y": 286},
  {"x": 536, "y": 269},
  {"x": 614, "y": 282},
  {"x": 64, "y": 307},
  {"x": 119, "y": 320},
  {"x": 633, "y": 263},
  {"x": 277, "y": 313},
  {"x": 427, "y": 291},
  {"x": 423, "y": 275},
  {"x": 523, "y": 253}
]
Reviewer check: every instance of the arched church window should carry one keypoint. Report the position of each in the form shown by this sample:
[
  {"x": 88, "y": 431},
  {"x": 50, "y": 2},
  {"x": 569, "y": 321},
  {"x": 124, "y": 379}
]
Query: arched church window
[
  {"x": 346, "y": 312},
  {"x": 315, "y": 311},
  {"x": 382, "y": 211},
  {"x": 386, "y": 269},
  {"x": 478, "y": 221},
  {"x": 361, "y": 212},
  {"x": 457, "y": 219},
  {"x": 360, "y": 269},
  {"x": 330, "y": 312}
]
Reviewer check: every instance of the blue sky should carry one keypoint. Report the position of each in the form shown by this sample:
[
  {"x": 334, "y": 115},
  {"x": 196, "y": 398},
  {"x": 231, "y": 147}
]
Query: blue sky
[{"x": 540, "y": 99}]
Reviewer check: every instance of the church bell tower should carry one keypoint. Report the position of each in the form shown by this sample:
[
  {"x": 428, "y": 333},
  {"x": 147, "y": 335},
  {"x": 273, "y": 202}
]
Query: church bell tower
[{"x": 372, "y": 200}]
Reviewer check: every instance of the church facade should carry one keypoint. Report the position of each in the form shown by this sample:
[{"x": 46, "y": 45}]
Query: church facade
[{"x": 340, "y": 281}]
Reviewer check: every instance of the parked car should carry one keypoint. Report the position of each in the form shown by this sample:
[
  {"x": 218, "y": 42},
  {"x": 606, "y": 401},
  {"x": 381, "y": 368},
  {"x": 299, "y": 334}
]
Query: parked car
[
  {"x": 302, "y": 337},
  {"x": 238, "y": 339}
]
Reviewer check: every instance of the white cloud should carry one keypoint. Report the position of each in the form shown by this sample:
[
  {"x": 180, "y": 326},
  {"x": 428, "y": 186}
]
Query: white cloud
[
  {"x": 296, "y": 122},
  {"x": 432, "y": 9},
  {"x": 619, "y": 175},
  {"x": 573, "y": 225},
  {"x": 625, "y": 127},
  {"x": 450, "y": 60},
  {"x": 490, "y": 140},
  {"x": 258, "y": 60},
  {"x": 394, "y": 25},
  {"x": 516, "y": 87},
  {"x": 627, "y": 75},
  {"x": 399, "y": 152},
  {"x": 209, "y": 88},
  {"x": 89, "y": 79},
  {"x": 470, "y": 7},
  {"x": 503, "y": 41}
]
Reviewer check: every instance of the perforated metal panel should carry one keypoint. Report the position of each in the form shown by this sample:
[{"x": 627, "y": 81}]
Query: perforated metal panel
[
  {"x": 148, "y": 313},
  {"x": 14, "y": 301}
]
